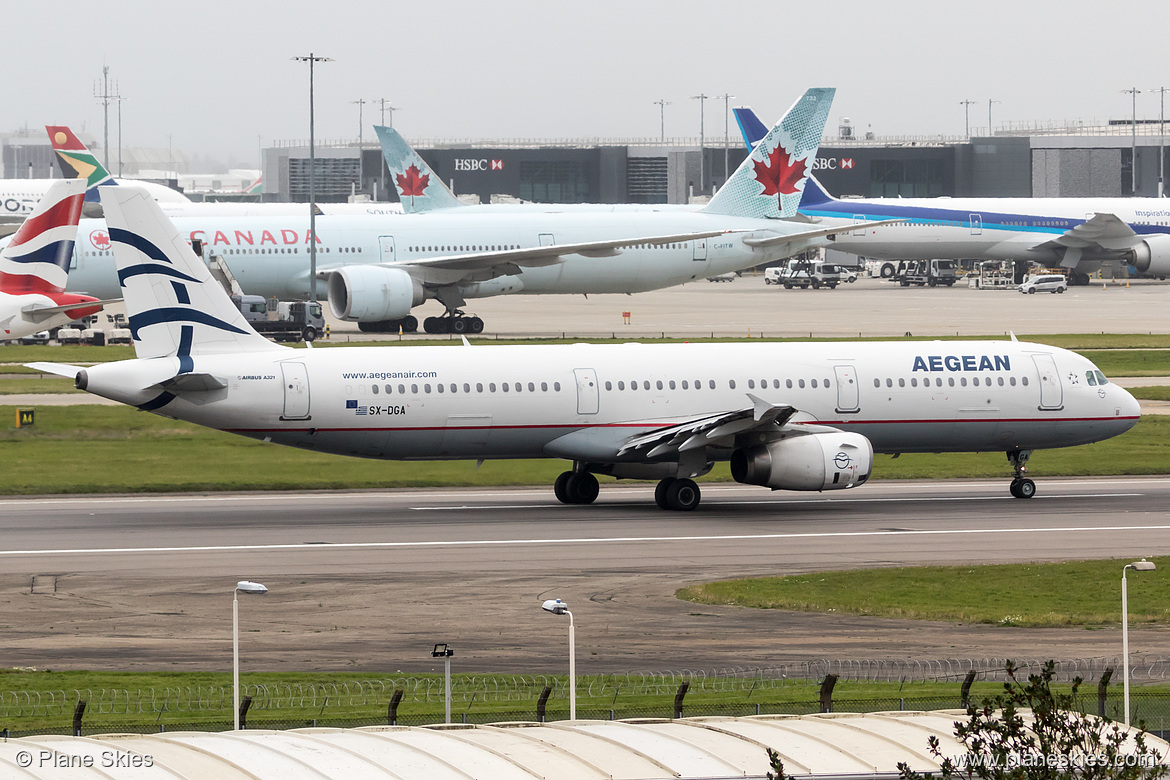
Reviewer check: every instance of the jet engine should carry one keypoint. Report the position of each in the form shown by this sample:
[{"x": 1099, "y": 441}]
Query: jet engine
[
  {"x": 817, "y": 461},
  {"x": 1152, "y": 255},
  {"x": 369, "y": 293}
]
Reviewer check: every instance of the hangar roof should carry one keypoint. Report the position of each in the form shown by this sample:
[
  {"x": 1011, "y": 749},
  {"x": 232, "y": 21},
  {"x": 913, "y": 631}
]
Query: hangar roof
[{"x": 825, "y": 746}]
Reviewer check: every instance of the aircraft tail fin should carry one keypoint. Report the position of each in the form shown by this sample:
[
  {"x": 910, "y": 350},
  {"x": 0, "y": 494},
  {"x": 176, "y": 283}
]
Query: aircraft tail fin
[
  {"x": 750, "y": 126},
  {"x": 814, "y": 194},
  {"x": 175, "y": 307},
  {"x": 36, "y": 259},
  {"x": 78, "y": 162},
  {"x": 768, "y": 183},
  {"x": 419, "y": 189}
]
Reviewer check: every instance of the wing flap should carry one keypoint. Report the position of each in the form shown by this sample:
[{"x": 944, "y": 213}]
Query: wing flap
[
  {"x": 1102, "y": 230},
  {"x": 710, "y": 430}
]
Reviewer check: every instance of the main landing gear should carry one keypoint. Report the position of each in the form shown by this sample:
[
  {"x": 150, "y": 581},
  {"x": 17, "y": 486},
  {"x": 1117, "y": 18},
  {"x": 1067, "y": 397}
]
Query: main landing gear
[
  {"x": 681, "y": 495},
  {"x": 576, "y": 487},
  {"x": 1021, "y": 486},
  {"x": 453, "y": 322}
]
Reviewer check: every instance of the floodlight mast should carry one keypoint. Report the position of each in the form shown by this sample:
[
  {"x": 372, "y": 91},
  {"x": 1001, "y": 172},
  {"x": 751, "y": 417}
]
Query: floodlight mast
[
  {"x": 1142, "y": 565},
  {"x": 558, "y": 607},
  {"x": 445, "y": 652}
]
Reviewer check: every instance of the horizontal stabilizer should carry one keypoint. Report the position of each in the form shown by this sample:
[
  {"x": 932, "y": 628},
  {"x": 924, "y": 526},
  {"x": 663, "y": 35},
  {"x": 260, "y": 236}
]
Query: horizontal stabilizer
[
  {"x": 773, "y": 241},
  {"x": 38, "y": 313},
  {"x": 184, "y": 383},
  {"x": 58, "y": 369}
]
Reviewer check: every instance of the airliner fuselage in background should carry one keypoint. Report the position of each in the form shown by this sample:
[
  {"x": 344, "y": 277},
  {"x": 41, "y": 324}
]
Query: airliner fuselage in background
[{"x": 787, "y": 416}]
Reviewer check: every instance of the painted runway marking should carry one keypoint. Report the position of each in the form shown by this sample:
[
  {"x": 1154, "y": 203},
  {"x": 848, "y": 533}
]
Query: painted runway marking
[{"x": 583, "y": 540}]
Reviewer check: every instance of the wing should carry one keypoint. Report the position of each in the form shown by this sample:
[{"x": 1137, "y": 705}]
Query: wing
[
  {"x": 1101, "y": 234},
  {"x": 506, "y": 262},
  {"x": 716, "y": 430}
]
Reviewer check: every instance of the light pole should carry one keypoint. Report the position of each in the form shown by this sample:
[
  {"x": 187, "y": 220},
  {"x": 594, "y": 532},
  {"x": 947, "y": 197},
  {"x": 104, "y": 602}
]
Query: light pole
[
  {"x": 558, "y": 607},
  {"x": 702, "y": 98},
  {"x": 445, "y": 652},
  {"x": 662, "y": 104},
  {"x": 312, "y": 59},
  {"x": 990, "y": 102},
  {"x": 1161, "y": 139},
  {"x": 387, "y": 106},
  {"x": 254, "y": 588},
  {"x": 726, "y": 138},
  {"x": 1133, "y": 92},
  {"x": 966, "y": 104},
  {"x": 361, "y": 170},
  {"x": 1142, "y": 565}
]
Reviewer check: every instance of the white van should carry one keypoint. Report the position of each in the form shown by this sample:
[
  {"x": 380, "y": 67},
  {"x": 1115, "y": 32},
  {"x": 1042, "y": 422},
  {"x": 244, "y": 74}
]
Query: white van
[{"x": 1053, "y": 283}]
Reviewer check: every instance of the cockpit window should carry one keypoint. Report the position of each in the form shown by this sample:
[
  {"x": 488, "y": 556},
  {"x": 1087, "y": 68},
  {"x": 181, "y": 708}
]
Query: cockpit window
[
  {"x": 1101, "y": 380},
  {"x": 1091, "y": 377}
]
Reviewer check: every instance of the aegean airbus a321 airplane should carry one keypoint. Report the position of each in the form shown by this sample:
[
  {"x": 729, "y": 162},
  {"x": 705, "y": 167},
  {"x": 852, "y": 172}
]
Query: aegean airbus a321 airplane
[
  {"x": 1073, "y": 233},
  {"x": 788, "y": 416},
  {"x": 377, "y": 269}
]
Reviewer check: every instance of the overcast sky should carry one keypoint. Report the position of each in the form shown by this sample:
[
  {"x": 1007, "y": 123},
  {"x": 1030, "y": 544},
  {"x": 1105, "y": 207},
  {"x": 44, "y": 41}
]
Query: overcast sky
[{"x": 217, "y": 74}]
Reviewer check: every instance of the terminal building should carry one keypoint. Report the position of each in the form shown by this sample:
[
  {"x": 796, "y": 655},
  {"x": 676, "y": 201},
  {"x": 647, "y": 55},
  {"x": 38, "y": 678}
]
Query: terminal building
[{"x": 1076, "y": 160}]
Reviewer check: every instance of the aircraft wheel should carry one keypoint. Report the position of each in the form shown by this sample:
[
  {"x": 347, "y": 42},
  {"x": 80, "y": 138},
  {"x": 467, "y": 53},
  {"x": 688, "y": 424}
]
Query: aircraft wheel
[
  {"x": 368, "y": 327},
  {"x": 561, "y": 487},
  {"x": 582, "y": 488},
  {"x": 683, "y": 495},
  {"x": 475, "y": 325},
  {"x": 409, "y": 324},
  {"x": 1025, "y": 488},
  {"x": 429, "y": 325},
  {"x": 458, "y": 324},
  {"x": 660, "y": 491}
]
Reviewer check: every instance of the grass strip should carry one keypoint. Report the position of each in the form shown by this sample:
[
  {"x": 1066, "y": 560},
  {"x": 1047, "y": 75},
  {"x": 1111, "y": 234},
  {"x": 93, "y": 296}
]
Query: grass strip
[{"x": 1080, "y": 593}]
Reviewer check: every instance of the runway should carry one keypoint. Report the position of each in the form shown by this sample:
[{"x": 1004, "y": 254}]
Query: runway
[{"x": 365, "y": 580}]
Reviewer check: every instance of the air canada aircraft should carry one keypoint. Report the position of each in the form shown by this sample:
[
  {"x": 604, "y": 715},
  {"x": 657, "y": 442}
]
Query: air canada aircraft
[
  {"x": 787, "y": 416},
  {"x": 34, "y": 265},
  {"x": 1073, "y": 233},
  {"x": 378, "y": 269}
]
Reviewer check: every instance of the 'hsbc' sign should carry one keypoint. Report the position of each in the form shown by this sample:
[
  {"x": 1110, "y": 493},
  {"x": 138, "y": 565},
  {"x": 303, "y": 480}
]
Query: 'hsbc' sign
[
  {"x": 483, "y": 164},
  {"x": 833, "y": 163}
]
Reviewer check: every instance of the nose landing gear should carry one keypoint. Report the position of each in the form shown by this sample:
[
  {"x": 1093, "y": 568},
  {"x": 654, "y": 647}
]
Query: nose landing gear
[{"x": 1021, "y": 486}]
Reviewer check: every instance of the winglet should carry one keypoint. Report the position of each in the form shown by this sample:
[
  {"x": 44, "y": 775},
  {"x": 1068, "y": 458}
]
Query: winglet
[
  {"x": 768, "y": 183},
  {"x": 419, "y": 189}
]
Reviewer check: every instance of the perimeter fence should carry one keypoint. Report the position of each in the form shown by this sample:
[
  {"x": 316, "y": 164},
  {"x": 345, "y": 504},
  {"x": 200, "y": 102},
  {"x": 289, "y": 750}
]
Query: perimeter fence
[{"x": 790, "y": 689}]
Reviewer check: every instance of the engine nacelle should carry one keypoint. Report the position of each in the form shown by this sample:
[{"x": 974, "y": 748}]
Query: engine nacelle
[
  {"x": 370, "y": 293},
  {"x": 1152, "y": 255},
  {"x": 818, "y": 461}
]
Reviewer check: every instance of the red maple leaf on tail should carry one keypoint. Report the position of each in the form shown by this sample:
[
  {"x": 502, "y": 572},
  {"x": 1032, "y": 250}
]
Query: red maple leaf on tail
[
  {"x": 412, "y": 183},
  {"x": 777, "y": 174}
]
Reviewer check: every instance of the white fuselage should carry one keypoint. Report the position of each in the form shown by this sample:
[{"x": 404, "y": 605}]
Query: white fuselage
[
  {"x": 13, "y": 308},
  {"x": 431, "y": 403},
  {"x": 269, "y": 256},
  {"x": 979, "y": 228}
]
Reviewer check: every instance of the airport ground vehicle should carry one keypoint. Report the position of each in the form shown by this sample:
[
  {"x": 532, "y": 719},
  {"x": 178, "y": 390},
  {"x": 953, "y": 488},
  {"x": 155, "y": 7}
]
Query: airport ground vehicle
[
  {"x": 289, "y": 321},
  {"x": 1050, "y": 283},
  {"x": 807, "y": 273},
  {"x": 925, "y": 273}
]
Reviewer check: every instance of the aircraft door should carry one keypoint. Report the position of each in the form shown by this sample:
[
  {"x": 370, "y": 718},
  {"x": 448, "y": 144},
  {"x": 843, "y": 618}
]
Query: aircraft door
[
  {"x": 700, "y": 249},
  {"x": 546, "y": 239},
  {"x": 859, "y": 218},
  {"x": 1051, "y": 393},
  {"x": 976, "y": 224},
  {"x": 386, "y": 245},
  {"x": 848, "y": 396},
  {"x": 296, "y": 391},
  {"x": 587, "y": 393}
]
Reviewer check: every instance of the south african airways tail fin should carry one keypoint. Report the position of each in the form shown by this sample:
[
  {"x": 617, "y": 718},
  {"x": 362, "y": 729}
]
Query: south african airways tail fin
[
  {"x": 752, "y": 130},
  {"x": 77, "y": 161},
  {"x": 769, "y": 182},
  {"x": 419, "y": 189},
  {"x": 175, "y": 307}
]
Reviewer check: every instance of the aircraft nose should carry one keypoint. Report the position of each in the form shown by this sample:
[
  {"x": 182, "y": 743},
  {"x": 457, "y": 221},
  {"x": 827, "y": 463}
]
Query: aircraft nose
[{"x": 1128, "y": 405}]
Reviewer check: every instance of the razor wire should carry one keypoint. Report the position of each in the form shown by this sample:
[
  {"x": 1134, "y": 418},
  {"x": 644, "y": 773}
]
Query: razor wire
[{"x": 501, "y": 689}]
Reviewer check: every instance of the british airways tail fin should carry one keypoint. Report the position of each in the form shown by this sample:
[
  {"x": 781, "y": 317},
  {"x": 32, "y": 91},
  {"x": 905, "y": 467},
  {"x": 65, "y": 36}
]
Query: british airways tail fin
[
  {"x": 418, "y": 187},
  {"x": 77, "y": 161},
  {"x": 36, "y": 259},
  {"x": 768, "y": 184},
  {"x": 750, "y": 126},
  {"x": 175, "y": 307}
]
